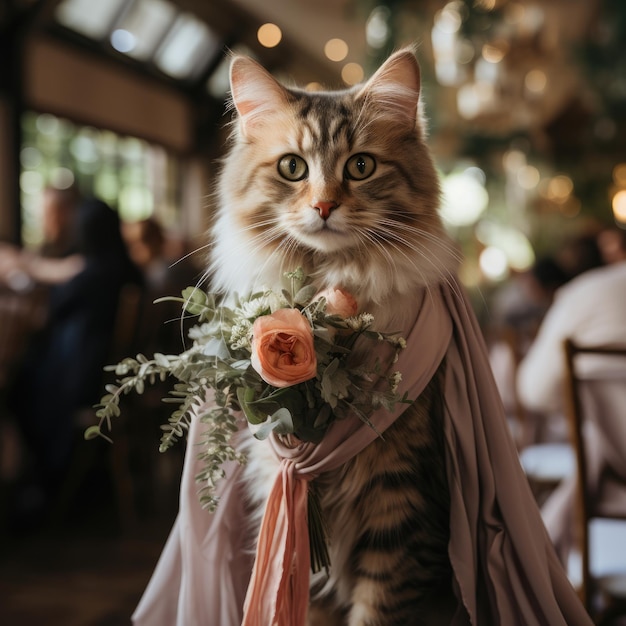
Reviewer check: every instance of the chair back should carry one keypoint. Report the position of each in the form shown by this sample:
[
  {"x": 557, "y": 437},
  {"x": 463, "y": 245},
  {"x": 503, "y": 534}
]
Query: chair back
[{"x": 595, "y": 394}]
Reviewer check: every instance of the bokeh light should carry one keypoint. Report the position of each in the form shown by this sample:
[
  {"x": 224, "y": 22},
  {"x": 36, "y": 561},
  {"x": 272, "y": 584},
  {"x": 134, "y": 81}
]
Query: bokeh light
[
  {"x": 619, "y": 206},
  {"x": 559, "y": 188},
  {"x": 535, "y": 81},
  {"x": 336, "y": 49},
  {"x": 528, "y": 177},
  {"x": 493, "y": 263},
  {"x": 352, "y": 73},
  {"x": 619, "y": 174},
  {"x": 377, "y": 27},
  {"x": 269, "y": 35},
  {"x": 464, "y": 199}
]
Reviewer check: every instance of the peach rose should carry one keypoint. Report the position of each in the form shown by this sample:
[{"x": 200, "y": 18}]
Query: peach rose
[
  {"x": 283, "y": 353},
  {"x": 338, "y": 302}
]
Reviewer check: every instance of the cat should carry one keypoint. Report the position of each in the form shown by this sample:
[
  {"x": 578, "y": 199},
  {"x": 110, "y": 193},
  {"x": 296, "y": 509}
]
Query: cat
[{"x": 342, "y": 184}]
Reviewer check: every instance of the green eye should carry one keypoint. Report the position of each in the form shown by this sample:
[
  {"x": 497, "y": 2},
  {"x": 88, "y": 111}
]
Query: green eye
[
  {"x": 292, "y": 167},
  {"x": 360, "y": 167}
]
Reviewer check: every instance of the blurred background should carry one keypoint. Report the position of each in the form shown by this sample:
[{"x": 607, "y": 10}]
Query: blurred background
[{"x": 124, "y": 100}]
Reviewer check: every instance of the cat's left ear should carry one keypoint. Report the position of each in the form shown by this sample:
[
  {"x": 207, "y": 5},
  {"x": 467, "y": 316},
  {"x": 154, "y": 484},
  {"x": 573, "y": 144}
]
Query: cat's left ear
[
  {"x": 395, "y": 87},
  {"x": 256, "y": 94}
]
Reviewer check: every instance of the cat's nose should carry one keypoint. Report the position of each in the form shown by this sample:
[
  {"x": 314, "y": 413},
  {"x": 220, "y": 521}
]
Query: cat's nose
[{"x": 324, "y": 208}]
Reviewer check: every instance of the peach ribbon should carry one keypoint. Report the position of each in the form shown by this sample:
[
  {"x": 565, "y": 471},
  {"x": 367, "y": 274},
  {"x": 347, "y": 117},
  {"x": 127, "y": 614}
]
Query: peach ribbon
[{"x": 278, "y": 593}]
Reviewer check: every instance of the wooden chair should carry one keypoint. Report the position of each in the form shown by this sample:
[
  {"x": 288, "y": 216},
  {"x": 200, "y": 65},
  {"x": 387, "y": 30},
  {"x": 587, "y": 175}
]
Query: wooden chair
[{"x": 598, "y": 400}]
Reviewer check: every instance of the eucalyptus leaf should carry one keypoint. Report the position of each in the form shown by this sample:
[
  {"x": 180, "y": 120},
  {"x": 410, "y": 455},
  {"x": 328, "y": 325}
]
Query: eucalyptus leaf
[
  {"x": 195, "y": 300},
  {"x": 92, "y": 432},
  {"x": 304, "y": 295},
  {"x": 288, "y": 297},
  {"x": 161, "y": 359},
  {"x": 335, "y": 383}
]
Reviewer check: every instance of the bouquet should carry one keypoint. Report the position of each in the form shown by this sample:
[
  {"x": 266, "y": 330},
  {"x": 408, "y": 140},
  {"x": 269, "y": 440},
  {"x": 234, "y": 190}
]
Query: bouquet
[{"x": 283, "y": 360}]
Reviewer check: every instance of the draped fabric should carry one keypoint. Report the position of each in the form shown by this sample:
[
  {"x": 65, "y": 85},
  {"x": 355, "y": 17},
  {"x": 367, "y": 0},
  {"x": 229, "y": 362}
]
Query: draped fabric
[{"x": 505, "y": 569}]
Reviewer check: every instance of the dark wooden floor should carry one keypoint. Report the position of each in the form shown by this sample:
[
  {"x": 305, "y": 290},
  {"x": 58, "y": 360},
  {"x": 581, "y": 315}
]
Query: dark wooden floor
[
  {"x": 77, "y": 578},
  {"x": 85, "y": 569}
]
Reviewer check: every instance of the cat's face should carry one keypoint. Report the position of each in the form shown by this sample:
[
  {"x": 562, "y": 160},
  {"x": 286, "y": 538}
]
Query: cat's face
[{"x": 339, "y": 182}]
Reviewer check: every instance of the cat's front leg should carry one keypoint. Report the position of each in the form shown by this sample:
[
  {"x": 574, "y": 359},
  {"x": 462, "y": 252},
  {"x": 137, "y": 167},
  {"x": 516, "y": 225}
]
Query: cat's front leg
[
  {"x": 325, "y": 614},
  {"x": 367, "y": 599},
  {"x": 373, "y": 605}
]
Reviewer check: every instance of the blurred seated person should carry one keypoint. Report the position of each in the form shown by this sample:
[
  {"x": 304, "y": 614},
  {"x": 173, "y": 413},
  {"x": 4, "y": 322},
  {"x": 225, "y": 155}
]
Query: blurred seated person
[
  {"x": 590, "y": 309},
  {"x": 518, "y": 312},
  {"x": 63, "y": 369},
  {"x": 523, "y": 302},
  {"x": 612, "y": 243},
  {"x": 163, "y": 261},
  {"x": 54, "y": 260},
  {"x": 59, "y": 210},
  {"x": 22, "y": 270},
  {"x": 167, "y": 271},
  {"x": 580, "y": 253}
]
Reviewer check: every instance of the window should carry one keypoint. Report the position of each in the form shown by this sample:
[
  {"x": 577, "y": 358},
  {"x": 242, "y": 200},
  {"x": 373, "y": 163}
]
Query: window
[{"x": 133, "y": 176}]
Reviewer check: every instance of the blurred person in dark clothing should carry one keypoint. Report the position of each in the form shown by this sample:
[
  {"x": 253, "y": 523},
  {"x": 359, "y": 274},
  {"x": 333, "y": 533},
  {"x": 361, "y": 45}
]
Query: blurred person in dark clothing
[{"x": 63, "y": 369}]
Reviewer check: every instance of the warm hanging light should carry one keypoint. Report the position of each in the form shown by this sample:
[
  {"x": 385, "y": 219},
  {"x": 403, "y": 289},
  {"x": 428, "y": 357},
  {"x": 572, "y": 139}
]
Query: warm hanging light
[
  {"x": 619, "y": 206},
  {"x": 269, "y": 35},
  {"x": 535, "y": 81},
  {"x": 336, "y": 49},
  {"x": 352, "y": 73},
  {"x": 619, "y": 174}
]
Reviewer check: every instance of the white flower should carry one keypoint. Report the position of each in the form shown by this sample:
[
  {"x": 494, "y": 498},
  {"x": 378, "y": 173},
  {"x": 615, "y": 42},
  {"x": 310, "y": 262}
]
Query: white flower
[
  {"x": 360, "y": 322},
  {"x": 251, "y": 309},
  {"x": 200, "y": 332},
  {"x": 240, "y": 335},
  {"x": 399, "y": 342},
  {"x": 394, "y": 381}
]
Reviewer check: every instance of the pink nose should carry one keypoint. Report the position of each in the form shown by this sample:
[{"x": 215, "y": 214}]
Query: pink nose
[{"x": 324, "y": 208}]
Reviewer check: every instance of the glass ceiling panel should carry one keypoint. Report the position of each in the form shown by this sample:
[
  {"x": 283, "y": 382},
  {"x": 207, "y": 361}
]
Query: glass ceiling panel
[
  {"x": 88, "y": 17},
  {"x": 143, "y": 27},
  {"x": 187, "y": 49}
]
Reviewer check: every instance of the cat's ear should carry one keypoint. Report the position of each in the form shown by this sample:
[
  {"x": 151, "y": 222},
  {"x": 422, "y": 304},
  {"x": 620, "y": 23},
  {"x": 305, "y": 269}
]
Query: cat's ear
[
  {"x": 395, "y": 87},
  {"x": 256, "y": 94}
]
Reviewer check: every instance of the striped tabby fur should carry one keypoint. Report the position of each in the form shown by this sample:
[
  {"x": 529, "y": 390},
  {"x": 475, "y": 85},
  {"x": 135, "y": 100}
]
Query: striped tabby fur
[
  {"x": 389, "y": 523},
  {"x": 381, "y": 239}
]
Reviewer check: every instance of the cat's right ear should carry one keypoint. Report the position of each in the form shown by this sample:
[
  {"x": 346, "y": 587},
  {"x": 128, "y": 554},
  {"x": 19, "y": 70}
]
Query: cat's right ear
[{"x": 255, "y": 93}]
